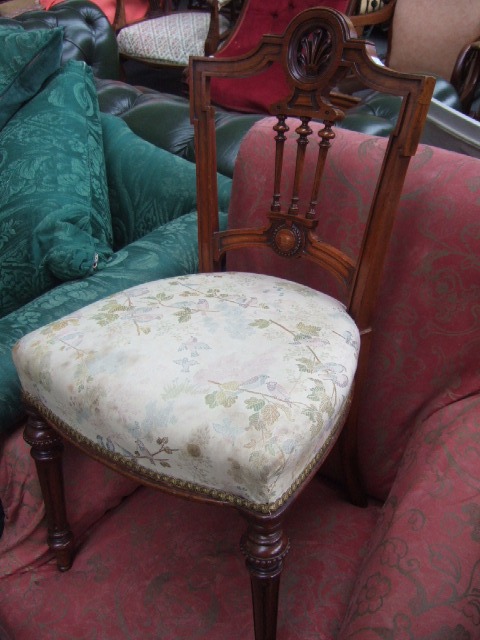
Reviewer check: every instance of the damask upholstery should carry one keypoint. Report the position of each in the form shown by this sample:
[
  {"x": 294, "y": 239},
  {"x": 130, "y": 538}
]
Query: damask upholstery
[
  {"x": 43, "y": 221},
  {"x": 134, "y": 264},
  {"x": 160, "y": 189},
  {"x": 55, "y": 213},
  {"x": 26, "y": 62},
  {"x": 422, "y": 569},
  {"x": 436, "y": 258}
]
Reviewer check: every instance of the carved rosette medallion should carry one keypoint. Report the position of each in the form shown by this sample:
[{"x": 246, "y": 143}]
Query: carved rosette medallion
[{"x": 287, "y": 240}]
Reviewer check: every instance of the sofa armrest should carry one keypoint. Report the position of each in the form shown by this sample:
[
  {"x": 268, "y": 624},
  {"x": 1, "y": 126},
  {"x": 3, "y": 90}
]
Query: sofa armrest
[
  {"x": 148, "y": 186},
  {"x": 164, "y": 120},
  {"x": 88, "y": 35},
  {"x": 422, "y": 573}
]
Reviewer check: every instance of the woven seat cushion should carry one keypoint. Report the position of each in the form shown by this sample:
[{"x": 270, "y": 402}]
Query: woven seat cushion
[
  {"x": 171, "y": 39},
  {"x": 233, "y": 385}
]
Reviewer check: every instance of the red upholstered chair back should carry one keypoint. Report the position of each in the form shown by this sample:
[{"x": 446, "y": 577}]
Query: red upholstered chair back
[
  {"x": 260, "y": 17},
  {"x": 424, "y": 353}
]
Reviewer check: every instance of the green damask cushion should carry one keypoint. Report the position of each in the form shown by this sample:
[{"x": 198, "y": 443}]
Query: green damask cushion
[
  {"x": 27, "y": 59},
  {"x": 54, "y": 212},
  {"x": 148, "y": 186}
]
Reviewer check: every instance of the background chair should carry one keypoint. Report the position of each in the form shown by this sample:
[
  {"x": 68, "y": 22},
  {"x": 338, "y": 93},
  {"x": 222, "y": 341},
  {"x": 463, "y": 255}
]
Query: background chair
[
  {"x": 259, "y": 17},
  {"x": 172, "y": 38},
  {"x": 436, "y": 38},
  {"x": 223, "y": 387}
]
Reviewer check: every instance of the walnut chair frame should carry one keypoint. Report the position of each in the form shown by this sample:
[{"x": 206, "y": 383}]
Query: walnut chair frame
[{"x": 317, "y": 49}]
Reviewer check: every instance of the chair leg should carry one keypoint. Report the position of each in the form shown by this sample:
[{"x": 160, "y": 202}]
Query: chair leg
[
  {"x": 47, "y": 449},
  {"x": 265, "y": 546}
]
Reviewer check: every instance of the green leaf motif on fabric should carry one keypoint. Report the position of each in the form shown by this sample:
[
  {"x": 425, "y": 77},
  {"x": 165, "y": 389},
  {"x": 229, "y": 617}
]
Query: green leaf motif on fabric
[
  {"x": 110, "y": 312},
  {"x": 162, "y": 297},
  {"x": 264, "y": 418},
  {"x": 184, "y": 315},
  {"x": 306, "y": 331},
  {"x": 308, "y": 365},
  {"x": 260, "y": 324},
  {"x": 256, "y": 404},
  {"x": 226, "y": 396}
]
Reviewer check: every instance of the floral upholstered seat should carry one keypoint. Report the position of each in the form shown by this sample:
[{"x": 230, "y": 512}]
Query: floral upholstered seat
[{"x": 192, "y": 382}]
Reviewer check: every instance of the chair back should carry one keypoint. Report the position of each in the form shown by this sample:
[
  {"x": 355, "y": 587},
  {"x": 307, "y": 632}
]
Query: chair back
[
  {"x": 317, "y": 50},
  {"x": 260, "y": 17}
]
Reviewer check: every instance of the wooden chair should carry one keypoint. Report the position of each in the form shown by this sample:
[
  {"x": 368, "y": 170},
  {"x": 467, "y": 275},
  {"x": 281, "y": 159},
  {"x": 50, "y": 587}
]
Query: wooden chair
[
  {"x": 438, "y": 38},
  {"x": 169, "y": 39},
  {"x": 224, "y": 387}
]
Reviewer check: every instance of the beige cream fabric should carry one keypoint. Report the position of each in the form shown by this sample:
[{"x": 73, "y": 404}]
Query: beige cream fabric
[
  {"x": 168, "y": 39},
  {"x": 428, "y": 35},
  {"x": 234, "y": 385}
]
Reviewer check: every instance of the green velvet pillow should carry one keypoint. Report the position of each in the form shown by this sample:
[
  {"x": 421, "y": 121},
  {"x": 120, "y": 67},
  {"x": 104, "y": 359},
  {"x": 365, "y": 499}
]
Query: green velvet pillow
[
  {"x": 148, "y": 186},
  {"x": 27, "y": 59},
  {"x": 54, "y": 212}
]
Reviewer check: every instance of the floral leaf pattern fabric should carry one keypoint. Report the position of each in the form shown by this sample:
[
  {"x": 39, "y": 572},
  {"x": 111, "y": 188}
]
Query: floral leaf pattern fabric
[
  {"x": 237, "y": 383},
  {"x": 27, "y": 59},
  {"x": 55, "y": 219},
  {"x": 160, "y": 188}
]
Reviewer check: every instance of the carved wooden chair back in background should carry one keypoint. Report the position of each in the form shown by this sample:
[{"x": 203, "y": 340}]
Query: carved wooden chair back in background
[{"x": 226, "y": 387}]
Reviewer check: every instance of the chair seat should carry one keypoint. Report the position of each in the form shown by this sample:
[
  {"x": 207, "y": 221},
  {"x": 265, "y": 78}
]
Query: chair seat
[
  {"x": 170, "y": 39},
  {"x": 231, "y": 384}
]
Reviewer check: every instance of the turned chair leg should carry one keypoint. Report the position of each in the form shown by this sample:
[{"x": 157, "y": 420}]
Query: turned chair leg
[
  {"x": 47, "y": 449},
  {"x": 265, "y": 546}
]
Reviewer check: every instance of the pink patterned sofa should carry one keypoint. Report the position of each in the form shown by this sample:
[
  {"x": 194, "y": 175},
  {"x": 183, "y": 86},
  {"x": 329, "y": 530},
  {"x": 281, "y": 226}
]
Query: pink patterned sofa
[{"x": 406, "y": 567}]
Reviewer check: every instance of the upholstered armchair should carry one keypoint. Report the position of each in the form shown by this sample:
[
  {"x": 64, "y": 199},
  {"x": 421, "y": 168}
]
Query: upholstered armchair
[{"x": 440, "y": 38}]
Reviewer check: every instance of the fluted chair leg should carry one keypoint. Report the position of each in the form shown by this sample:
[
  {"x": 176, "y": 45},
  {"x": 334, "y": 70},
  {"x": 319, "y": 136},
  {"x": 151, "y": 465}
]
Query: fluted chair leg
[
  {"x": 47, "y": 449},
  {"x": 265, "y": 546}
]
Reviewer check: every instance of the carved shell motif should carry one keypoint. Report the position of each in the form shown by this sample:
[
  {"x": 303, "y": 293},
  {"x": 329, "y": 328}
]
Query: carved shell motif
[{"x": 314, "y": 52}]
